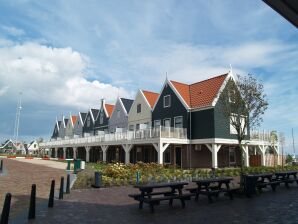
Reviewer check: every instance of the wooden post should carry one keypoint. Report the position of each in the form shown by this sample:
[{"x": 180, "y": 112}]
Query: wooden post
[
  {"x": 31, "y": 214},
  {"x": 61, "y": 188},
  {"x": 51, "y": 196},
  {"x": 6, "y": 209}
]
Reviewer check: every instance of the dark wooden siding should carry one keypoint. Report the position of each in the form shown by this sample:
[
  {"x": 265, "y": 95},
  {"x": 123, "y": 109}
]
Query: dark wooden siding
[
  {"x": 176, "y": 109},
  {"x": 104, "y": 125},
  {"x": 202, "y": 124},
  {"x": 89, "y": 129}
]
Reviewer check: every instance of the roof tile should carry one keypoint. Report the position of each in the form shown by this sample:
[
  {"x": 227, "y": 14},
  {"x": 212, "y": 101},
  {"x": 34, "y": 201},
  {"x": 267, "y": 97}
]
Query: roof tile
[
  {"x": 151, "y": 97},
  {"x": 200, "y": 94}
]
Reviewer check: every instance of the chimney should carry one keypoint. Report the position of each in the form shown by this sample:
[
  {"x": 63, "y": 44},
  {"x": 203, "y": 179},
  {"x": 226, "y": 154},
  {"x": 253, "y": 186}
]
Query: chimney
[{"x": 103, "y": 101}]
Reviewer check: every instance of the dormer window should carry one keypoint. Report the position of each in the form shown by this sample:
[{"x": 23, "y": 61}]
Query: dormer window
[
  {"x": 167, "y": 101},
  {"x": 139, "y": 108}
]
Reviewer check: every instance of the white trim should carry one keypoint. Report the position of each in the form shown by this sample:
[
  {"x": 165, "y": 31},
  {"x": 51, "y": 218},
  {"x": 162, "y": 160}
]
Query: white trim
[
  {"x": 175, "y": 91},
  {"x": 164, "y": 106},
  {"x": 155, "y": 121},
  {"x": 123, "y": 107},
  {"x": 179, "y": 96},
  {"x": 175, "y": 120},
  {"x": 230, "y": 75},
  {"x": 164, "y": 122},
  {"x": 146, "y": 99},
  {"x": 165, "y": 157}
]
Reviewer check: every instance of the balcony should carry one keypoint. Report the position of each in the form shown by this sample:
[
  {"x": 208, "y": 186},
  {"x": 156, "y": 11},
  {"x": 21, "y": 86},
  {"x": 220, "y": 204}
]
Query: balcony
[{"x": 144, "y": 134}]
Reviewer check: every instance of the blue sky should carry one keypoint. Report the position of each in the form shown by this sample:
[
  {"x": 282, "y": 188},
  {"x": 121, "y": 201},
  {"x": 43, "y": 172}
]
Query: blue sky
[{"x": 66, "y": 55}]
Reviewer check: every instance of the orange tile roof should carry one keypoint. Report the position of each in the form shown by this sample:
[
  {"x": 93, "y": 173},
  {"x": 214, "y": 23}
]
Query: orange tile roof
[
  {"x": 200, "y": 94},
  {"x": 109, "y": 108},
  {"x": 74, "y": 119},
  {"x": 151, "y": 97}
]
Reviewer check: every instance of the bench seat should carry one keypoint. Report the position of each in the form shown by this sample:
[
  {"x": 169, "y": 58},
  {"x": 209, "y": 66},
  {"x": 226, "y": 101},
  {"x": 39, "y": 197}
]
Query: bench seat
[
  {"x": 137, "y": 196},
  {"x": 157, "y": 200}
]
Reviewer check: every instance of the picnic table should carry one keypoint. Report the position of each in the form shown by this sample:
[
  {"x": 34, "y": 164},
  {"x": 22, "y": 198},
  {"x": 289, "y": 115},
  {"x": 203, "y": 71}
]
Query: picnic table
[
  {"x": 259, "y": 181},
  {"x": 212, "y": 187},
  {"x": 287, "y": 177},
  {"x": 151, "y": 197}
]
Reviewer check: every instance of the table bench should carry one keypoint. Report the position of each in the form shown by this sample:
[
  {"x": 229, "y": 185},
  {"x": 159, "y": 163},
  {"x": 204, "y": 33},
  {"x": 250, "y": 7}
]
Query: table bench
[
  {"x": 205, "y": 187},
  {"x": 287, "y": 177},
  {"x": 147, "y": 194}
]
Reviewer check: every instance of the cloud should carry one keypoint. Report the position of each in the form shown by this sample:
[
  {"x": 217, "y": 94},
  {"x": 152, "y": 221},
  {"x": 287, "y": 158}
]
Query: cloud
[
  {"x": 52, "y": 76},
  {"x": 13, "y": 31},
  {"x": 3, "y": 90}
]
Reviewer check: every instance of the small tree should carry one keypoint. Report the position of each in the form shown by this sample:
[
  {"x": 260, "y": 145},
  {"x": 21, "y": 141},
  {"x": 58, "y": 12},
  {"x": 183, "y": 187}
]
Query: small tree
[
  {"x": 289, "y": 159},
  {"x": 243, "y": 103}
]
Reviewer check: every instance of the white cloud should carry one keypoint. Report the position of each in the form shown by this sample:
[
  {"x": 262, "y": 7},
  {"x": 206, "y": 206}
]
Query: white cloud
[
  {"x": 3, "y": 90},
  {"x": 54, "y": 76},
  {"x": 11, "y": 30}
]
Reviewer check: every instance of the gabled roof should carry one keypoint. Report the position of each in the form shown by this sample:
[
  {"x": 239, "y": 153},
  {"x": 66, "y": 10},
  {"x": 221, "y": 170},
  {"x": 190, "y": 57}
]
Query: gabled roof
[
  {"x": 151, "y": 97},
  {"x": 58, "y": 124},
  {"x": 94, "y": 113},
  {"x": 200, "y": 94},
  {"x": 66, "y": 121},
  {"x": 127, "y": 103},
  {"x": 74, "y": 119},
  {"x": 109, "y": 109},
  {"x": 83, "y": 116}
]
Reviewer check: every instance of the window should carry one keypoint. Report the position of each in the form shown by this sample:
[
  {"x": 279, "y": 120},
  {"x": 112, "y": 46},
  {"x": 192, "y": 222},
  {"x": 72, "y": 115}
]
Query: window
[
  {"x": 139, "y": 108},
  {"x": 137, "y": 127},
  {"x": 34, "y": 146},
  {"x": 167, "y": 156},
  {"x": 178, "y": 122},
  {"x": 242, "y": 122},
  {"x": 88, "y": 122},
  {"x": 157, "y": 123},
  {"x": 167, "y": 101},
  {"x": 101, "y": 118},
  {"x": 131, "y": 127},
  {"x": 118, "y": 113},
  {"x": 232, "y": 96},
  {"x": 167, "y": 122},
  {"x": 232, "y": 155}
]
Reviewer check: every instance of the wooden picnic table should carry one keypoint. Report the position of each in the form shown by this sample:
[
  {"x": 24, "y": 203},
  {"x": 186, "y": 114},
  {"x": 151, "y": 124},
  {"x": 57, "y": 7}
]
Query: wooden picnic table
[
  {"x": 287, "y": 177},
  {"x": 147, "y": 194},
  {"x": 212, "y": 187}
]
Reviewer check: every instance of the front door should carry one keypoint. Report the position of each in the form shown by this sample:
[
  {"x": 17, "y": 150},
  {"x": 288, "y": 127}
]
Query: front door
[{"x": 178, "y": 156}]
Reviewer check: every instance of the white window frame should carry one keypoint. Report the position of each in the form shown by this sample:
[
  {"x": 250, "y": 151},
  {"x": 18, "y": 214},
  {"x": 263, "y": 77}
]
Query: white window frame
[
  {"x": 139, "y": 104},
  {"x": 175, "y": 121},
  {"x": 165, "y": 120},
  {"x": 233, "y": 130},
  {"x": 232, "y": 99},
  {"x": 164, "y": 106},
  {"x": 157, "y": 121}
]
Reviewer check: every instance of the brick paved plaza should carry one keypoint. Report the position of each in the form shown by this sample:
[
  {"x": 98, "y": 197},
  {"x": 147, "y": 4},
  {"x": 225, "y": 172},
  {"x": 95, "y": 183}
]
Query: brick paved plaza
[
  {"x": 18, "y": 180},
  {"x": 112, "y": 205}
]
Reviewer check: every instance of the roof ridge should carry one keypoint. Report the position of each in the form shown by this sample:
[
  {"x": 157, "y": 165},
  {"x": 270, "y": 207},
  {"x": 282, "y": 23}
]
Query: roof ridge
[
  {"x": 148, "y": 91},
  {"x": 214, "y": 77}
]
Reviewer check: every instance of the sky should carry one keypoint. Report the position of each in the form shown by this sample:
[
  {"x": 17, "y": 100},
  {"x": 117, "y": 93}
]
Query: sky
[{"x": 64, "y": 56}]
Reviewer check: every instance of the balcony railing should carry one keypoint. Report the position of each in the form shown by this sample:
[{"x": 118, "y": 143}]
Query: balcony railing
[
  {"x": 161, "y": 132},
  {"x": 257, "y": 135}
]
